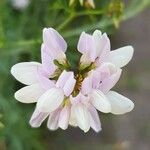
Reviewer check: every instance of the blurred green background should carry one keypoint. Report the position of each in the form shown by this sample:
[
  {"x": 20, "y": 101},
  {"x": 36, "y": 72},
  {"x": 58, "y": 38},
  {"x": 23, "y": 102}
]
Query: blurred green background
[{"x": 20, "y": 40}]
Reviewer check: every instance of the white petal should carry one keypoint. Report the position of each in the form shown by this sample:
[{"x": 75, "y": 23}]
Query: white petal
[
  {"x": 26, "y": 72},
  {"x": 50, "y": 100},
  {"x": 97, "y": 35},
  {"x": 119, "y": 103},
  {"x": 38, "y": 118},
  {"x": 100, "y": 101},
  {"x": 82, "y": 116},
  {"x": 120, "y": 57},
  {"x": 72, "y": 120},
  {"x": 29, "y": 94},
  {"x": 64, "y": 118}
]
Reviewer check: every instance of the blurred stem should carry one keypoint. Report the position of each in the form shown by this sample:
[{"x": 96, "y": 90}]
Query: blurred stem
[
  {"x": 78, "y": 14},
  {"x": 66, "y": 22}
]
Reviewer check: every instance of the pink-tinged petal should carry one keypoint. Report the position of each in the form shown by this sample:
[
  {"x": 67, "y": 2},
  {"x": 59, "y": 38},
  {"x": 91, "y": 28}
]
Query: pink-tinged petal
[
  {"x": 69, "y": 85},
  {"x": 106, "y": 45},
  {"x": 82, "y": 116},
  {"x": 47, "y": 60},
  {"x": 108, "y": 81},
  {"x": 53, "y": 39},
  {"x": 80, "y": 98},
  {"x": 29, "y": 94},
  {"x": 64, "y": 117},
  {"x": 53, "y": 119},
  {"x": 96, "y": 79},
  {"x": 120, "y": 57},
  {"x": 94, "y": 119},
  {"x": 119, "y": 103},
  {"x": 100, "y": 102},
  {"x": 62, "y": 79},
  {"x": 45, "y": 82},
  {"x": 105, "y": 49},
  {"x": 50, "y": 100},
  {"x": 86, "y": 87},
  {"x": 37, "y": 118},
  {"x": 75, "y": 100},
  {"x": 26, "y": 72},
  {"x": 86, "y": 46},
  {"x": 66, "y": 81}
]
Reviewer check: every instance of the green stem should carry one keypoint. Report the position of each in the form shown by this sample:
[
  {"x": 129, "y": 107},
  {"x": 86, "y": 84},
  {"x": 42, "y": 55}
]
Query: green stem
[
  {"x": 66, "y": 22},
  {"x": 78, "y": 14}
]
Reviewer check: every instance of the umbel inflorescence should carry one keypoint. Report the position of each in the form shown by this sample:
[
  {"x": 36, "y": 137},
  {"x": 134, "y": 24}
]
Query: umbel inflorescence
[{"x": 68, "y": 98}]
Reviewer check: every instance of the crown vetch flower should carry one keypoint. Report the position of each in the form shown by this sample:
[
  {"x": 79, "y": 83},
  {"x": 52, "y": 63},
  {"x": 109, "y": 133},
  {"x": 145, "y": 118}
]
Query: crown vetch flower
[
  {"x": 96, "y": 48},
  {"x": 65, "y": 97},
  {"x": 98, "y": 86}
]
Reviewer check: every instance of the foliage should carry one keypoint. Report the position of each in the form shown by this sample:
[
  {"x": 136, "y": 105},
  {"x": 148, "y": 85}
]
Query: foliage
[{"x": 20, "y": 39}]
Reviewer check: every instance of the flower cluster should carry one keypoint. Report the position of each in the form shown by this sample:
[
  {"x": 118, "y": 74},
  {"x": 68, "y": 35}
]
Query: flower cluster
[{"x": 68, "y": 98}]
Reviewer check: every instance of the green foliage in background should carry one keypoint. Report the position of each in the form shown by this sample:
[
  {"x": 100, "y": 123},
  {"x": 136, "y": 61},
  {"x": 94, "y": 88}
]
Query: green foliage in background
[{"x": 20, "y": 39}]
